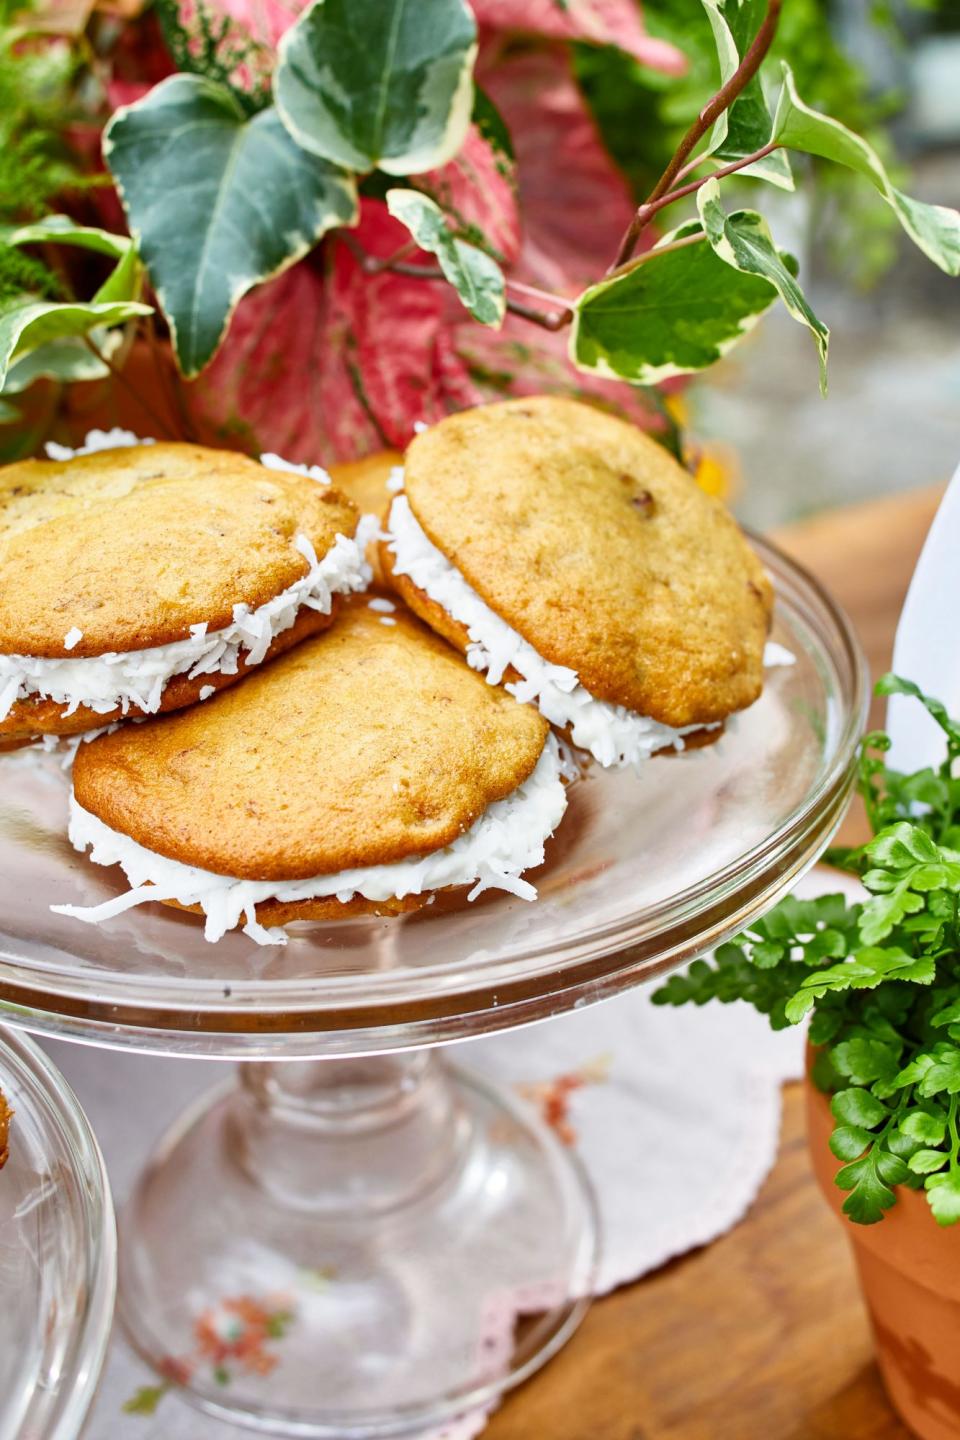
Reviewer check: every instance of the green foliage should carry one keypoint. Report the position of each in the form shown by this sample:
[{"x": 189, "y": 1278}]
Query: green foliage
[
  {"x": 881, "y": 980},
  {"x": 747, "y": 126},
  {"x": 934, "y": 229},
  {"x": 475, "y": 275},
  {"x": 25, "y": 275},
  {"x": 35, "y": 167},
  {"x": 743, "y": 240},
  {"x": 41, "y": 337},
  {"x": 146, "y": 1400},
  {"x": 223, "y": 189},
  {"x": 25, "y": 327},
  {"x": 367, "y": 83},
  {"x": 676, "y": 311},
  {"x": 642, "y": 115},
  {"x": 258, "y": 202}
]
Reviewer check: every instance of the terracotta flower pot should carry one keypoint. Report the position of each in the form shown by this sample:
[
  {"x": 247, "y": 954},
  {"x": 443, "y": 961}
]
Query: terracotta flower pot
[{"x": 910, "y": 1275}]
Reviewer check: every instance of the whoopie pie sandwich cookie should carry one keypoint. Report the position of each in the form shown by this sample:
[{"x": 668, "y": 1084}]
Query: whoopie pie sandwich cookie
[
  {"x": 564, "y": 550},
  {"x": 146, "y": 577},
  {"x": 359, "y": 773}
]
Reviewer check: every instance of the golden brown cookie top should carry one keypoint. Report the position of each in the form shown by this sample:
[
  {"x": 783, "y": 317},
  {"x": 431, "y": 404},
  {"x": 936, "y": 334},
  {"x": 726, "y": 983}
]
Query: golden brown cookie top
[
  {"x": 133, "y": 546},
  {"x": 363, "y": 746},
  {"x": 598, "y": 548}
]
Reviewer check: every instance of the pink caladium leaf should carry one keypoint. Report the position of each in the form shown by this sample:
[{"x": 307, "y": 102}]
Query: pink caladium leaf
[
  {"x": 395, "y": 323},
  {"x": 265, "y": 20},
  {"x": 327, "y": 363},
  {"x": 477, "y": 189},
  {"x": 281, "y": 380},
  {"x": 603, "y": 22},
  {"x": 574, "y": 202}
]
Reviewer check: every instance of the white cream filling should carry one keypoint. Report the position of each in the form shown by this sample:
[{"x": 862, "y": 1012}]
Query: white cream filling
[
  {"x": 137, "y": 678},
  {"x": 508, "y": 838},
  {"x": 614, "y": 735}
]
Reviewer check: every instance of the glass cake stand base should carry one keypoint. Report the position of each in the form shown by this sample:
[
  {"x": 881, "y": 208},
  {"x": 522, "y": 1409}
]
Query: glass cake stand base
[{"x": 355, "y": 1248}]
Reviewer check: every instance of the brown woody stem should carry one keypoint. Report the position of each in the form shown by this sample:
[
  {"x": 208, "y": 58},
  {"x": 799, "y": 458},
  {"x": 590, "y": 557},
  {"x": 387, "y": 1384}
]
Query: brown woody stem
[
  {"x": 713, "y": 109},
  {"x": 655, "y": 253},
  {"x": 680, "y": 191},
  {"x": 168, "y": 379},
  {"x": 552, "y": 319},
  {"x": 121, "y": 379},
  {"x": 373, "y": 264}
]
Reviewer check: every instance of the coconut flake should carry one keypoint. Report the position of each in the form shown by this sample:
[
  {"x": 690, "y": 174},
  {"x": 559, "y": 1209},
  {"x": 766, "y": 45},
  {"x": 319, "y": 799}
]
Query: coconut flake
[
  {"x": 774, "y": 655},
  {"x": 312, "y": 472},
  {"x": 115, "y": 439},
  {"x": 72, "y": 638},
  {"x": 508, "y": 838}
]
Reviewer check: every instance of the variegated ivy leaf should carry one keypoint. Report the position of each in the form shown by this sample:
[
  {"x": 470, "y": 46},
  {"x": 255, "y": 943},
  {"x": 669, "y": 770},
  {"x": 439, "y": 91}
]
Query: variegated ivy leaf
[
  {"x": 475, "y": 275},
  {"x": 379, "y": 83},
  {"x": 125, "y": 281},
  {"x": 933, "y": 228},
  {"x": 66, "y": 357},
  {"x": 66, "y": 360},
  {"x": 28, "y": 325},
  {"x": 747, "y": 126},
  {"x": 673, "y": 313},
  {"x": 217, "y": 203},
  {"x": 60, "y": 229},
  {"x": 743, "y": 240}
]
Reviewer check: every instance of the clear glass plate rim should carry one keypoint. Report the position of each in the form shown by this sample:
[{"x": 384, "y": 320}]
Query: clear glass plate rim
[{"x": 165, "y": 997}]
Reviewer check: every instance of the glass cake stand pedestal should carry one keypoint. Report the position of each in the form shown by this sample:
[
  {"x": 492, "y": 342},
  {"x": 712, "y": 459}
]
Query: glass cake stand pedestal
[{"x": 356, "y": 1239}]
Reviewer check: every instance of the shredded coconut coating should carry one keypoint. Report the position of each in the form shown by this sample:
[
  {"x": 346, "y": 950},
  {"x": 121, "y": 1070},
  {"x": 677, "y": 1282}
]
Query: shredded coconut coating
[
  {"x": 136, "y": 679},
  {"x": 613, "y": 735},
  {"x": 507, "y": 839}
]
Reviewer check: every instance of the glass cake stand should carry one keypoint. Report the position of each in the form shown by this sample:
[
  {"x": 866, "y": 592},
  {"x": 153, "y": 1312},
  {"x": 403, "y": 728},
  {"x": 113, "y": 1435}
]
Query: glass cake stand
[
  {"x": 58, "y": 1253},
  {"x": 370, "y": 1243}
]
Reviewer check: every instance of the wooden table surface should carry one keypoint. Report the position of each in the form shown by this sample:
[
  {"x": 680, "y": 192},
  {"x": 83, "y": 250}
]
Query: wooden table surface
[{"x": 762, "y": 1335}]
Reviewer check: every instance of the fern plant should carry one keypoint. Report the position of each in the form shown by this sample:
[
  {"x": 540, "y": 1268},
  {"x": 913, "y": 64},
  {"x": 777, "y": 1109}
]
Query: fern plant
[
  {"x": 880, "y": 980},
  {"x": 35, "y": 167}
]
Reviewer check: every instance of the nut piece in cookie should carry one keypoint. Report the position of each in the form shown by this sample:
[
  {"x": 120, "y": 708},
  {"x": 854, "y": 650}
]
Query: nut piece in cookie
[
  {"x": 145, "y": 577},
  {"x": 568, "y": 553},
  {"x": 361, "y": 772}
]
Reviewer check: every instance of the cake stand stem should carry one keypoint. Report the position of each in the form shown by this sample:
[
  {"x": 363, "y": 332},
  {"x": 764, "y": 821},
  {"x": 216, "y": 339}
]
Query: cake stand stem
[{"x": 355, "y": 1248}]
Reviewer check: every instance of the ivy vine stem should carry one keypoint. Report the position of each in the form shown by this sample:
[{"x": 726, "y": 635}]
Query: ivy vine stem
[
  {"x": 711, "y": 112},
  {"x": 168, "y": 378},
  {"x": 554, "y": 318},
  {"x": 374, "y": 264},
  {"x": 655, "y": 253},
  {"x": 678, "y": 192},
  {"x": 118, "y": 375}
]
